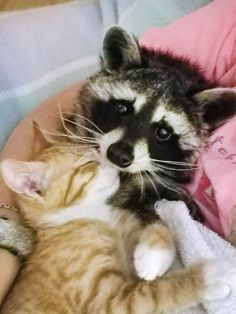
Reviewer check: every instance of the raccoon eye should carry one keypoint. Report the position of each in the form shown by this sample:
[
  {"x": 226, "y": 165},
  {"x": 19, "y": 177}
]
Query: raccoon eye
[
  {"x": 162, "y": 134},
  {"x": 121, "y": 109}
]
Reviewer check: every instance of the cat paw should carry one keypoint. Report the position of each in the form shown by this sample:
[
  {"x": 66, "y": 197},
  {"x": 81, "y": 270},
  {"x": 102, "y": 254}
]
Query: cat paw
[
  {"x": 219, "y": 279},
  {"x": 151, "y": 262}
]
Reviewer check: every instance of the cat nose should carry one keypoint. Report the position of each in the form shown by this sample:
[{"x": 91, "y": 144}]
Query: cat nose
[{"x": 120, "y": 154}]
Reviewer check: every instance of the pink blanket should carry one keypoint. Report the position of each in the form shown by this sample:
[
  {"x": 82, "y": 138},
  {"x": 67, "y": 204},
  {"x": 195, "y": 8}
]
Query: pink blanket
[{"x": 208, "y": 37}]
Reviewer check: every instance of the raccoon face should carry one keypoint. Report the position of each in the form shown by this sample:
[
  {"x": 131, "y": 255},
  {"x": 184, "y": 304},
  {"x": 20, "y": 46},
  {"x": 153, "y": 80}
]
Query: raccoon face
[
  {"x": 144, "y": 132},
  {"x": 149, "y": 111}
]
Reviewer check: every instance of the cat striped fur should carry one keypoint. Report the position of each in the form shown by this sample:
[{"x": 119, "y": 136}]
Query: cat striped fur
[{"x": 92, "y": 265}]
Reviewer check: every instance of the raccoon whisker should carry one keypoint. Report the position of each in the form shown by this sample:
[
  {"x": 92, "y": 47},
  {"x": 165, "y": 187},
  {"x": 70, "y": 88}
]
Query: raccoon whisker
[
  {"x": 87, "y": 140},
  {"x": 146, "y": 172},
  {"x": 141, "y": 184},
  {"x": 78, "y": 147},
  {"x": 57, "y": 133},
  {"x": 74, "y": 136},
  {"x": 177, "y": 163},
  {"x": 83, "y": 141},
  {"x": 181, "y": 163},
  {"x": 162, "y": 170},
  {"x": 60, "y": 134},
  {"x": 157, "y": 165},
  {"x": 174, "y": 169},
  {"x": 82, "y": 126},
  {"x": 166, "y": 183},
  {"x": 168, "y": 178},
  {"x": 86, "y": 119},
  {"x": 80, "y": 138}
]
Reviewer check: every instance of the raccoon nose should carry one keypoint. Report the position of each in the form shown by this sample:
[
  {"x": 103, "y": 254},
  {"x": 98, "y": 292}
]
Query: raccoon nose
[{"x": 120, "y": 154}]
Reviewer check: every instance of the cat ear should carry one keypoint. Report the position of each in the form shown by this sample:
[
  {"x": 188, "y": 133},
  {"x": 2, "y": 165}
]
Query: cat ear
[
  {"x": 216, "y": 106},
  {"x": 41, "y": 141},
  {"x": 27, "y": 178},
  {"x": 120, "y": 50}
]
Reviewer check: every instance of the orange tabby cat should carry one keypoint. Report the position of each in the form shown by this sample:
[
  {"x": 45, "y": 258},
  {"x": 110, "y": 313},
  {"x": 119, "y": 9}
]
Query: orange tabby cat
[{"x": 89, "y": 258}]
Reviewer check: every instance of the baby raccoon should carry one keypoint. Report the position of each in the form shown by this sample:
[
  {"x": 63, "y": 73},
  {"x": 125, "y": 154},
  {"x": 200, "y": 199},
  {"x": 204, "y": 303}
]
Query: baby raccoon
[{"x": 150, "y": 114}]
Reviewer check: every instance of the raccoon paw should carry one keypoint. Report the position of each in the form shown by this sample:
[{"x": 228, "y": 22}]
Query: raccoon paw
[
  {"x": 151, "y": 262},
  {"x": 219, "y": 279}
]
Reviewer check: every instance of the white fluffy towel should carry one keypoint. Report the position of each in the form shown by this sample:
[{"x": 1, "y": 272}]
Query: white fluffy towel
[{"x": 195, "y": 242}]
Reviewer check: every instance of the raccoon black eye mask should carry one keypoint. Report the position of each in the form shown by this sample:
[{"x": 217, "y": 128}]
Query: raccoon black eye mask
[{"x": 149, "y": 113}]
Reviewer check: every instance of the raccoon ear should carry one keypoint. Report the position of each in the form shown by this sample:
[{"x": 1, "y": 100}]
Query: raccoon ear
[
  {"x": 27, "y": 178},
  {"x": 120, "y": 50},
  {"x": 216, "y": 106}
]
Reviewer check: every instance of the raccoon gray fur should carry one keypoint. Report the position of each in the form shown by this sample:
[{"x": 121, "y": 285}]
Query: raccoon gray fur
[{"x": 150, "y": 114}]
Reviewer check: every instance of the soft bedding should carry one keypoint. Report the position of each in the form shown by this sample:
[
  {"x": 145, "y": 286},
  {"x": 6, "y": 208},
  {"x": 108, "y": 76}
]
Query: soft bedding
[{"x": 196, "y": 242}]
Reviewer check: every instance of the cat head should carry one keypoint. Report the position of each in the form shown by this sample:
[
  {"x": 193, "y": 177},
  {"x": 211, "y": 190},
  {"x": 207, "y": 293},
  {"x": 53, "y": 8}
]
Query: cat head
[
  {"x": 62, "y": 177},
  {"x": 150, "y": 111}
]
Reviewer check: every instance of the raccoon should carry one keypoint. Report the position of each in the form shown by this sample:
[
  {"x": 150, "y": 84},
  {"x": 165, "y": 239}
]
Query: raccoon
[{"x": 150, "y": 114}]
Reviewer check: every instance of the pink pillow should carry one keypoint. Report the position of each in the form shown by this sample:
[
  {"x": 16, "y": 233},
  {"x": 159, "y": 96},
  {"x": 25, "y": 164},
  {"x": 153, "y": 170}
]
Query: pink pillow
[{"x": 208, "y": 37}]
